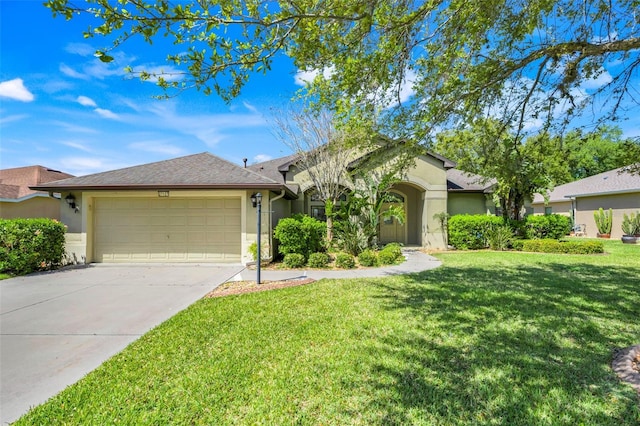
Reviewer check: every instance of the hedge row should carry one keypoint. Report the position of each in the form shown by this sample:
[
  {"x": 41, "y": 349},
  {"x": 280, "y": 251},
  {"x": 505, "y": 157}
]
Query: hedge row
[
  {"x": 552, "y": 226},
  {"x": 473, "y": 232},
  {"x": 389, "y": 255},
  {"x": 29, "y": 245},
  {"x": 560, "y": 246}
]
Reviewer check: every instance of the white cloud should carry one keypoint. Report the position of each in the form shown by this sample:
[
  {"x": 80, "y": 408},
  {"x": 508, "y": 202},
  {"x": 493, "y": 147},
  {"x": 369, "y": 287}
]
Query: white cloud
[
  {"x": 82, "y": 49},
  {"x": 80, "y": 166},
  {"x": 70, "y": 72},
  {"x": 210, "y": 129},
  {"x": 76, "y": 145},
  {"x": 54, "y": 86},
  {"x": 15, "y": 89},
  {"x": 106, "y": 113},
  {"x": 73, "y": 127},
  {"x": 11, "y": 118},
  {"x": 600, "y": 80},
  {"x": 86, "y": 101},
  {"x": 261, "y": 158},
  {"x": 100, "y": 70},
  {"x": 250, "y": 107},
  {"x": 302, "y": 77},
  {"x": 157, "y": 147},
  {"x": 168, "y": 73}
]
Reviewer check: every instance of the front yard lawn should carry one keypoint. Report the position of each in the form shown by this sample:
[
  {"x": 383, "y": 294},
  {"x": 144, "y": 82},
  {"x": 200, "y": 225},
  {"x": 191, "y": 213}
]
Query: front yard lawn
[{"x": 488, "y": 338}]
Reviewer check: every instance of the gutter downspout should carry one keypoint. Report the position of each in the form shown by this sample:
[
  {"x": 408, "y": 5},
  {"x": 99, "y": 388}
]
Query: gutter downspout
[{"x": 271, "y": 200}]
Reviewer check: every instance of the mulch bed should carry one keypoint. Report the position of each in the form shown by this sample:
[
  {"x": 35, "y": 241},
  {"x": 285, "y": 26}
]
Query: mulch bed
[
  {"x": 626, "y": 364},
  {"x": 241, "y": 287}
]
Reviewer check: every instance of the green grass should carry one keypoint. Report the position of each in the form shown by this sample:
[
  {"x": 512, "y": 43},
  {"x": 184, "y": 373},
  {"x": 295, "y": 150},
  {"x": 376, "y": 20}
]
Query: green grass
[
  {"x": 489, "y": 338},
  {"x": 4, "y": 276}
]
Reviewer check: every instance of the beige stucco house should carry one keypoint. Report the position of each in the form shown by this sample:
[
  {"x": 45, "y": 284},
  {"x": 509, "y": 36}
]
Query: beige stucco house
[
  {"x": 615, "y": 189},
  {"x": 198, "y": 208},
  {"x": 17, "y": 200}
]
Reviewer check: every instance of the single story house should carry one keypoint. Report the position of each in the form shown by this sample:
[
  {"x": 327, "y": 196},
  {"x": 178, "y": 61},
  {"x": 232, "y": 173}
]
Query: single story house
[
  {"x": 17, "y": 200},
  {"x": 616, "y": 189},
  {"x": 198, "y": 208}
]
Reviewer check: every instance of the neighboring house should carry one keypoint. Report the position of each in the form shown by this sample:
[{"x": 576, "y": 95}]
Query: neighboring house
[
  {"x": 18, "y": 201},
  {"x": 614, "y": 189},
  {"x": 198, "y": 208}
]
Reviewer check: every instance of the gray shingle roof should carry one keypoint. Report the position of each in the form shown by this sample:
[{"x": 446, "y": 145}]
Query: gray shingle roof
[
  {"x": 201, "y": 171},
  {"x": 612, "y": 182},
  {"x": 459, "y": 181}
]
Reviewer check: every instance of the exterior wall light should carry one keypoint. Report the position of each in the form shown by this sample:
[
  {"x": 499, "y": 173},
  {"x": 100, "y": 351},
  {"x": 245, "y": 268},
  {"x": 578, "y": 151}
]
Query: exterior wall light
[{"x": 71, "y": 201}]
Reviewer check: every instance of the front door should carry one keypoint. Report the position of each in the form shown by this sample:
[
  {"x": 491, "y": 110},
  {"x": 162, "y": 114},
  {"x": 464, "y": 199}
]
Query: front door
[{"x": 391, "y": 229}]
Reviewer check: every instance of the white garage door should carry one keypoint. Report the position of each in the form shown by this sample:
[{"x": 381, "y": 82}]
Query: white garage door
[{"x": 167, "y": 230}]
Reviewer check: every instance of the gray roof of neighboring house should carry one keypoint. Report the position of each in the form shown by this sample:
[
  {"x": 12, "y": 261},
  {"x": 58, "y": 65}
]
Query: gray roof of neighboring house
[
  {"x": 460, "y": 181},
  {"x": 612, "y": 182},
  {"x": 198, "y": 171},
  {"x": 15, "y": 183}
]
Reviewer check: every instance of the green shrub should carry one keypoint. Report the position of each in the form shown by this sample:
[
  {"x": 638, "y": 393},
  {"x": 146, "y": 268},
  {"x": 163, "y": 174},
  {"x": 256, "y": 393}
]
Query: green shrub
[
  {"x": 368, "y": 258},
  {"x": 318, "y": 260},
  {"x": 552, "y": 226},
  {"x": 469, "y": 232},
  {"x": 390, "y": 254},
  {"x": 500, "y": 237},
  {"x": 518, "y": 228},
  {"x": 300, "y": 234},
  {"x": 351, "y": 235},
  {"x": 565, "y": 247},
  {"x": 517, "y": 244},
  {"x": 253, "y": 251},
  {"x": 345, "y": 261},
  {"x": 294, "y": 260},
  {"x": 29, "y": 245}
]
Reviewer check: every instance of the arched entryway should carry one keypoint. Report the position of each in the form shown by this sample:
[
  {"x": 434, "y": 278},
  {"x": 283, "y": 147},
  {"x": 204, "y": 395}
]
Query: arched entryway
[
  {"x": 412, "y": 199},
  {"x": 393, "y": 230}
]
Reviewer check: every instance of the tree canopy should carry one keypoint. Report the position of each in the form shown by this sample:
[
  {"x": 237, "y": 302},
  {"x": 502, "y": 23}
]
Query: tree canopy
[
  {"x": 589, "y": 153},
  {"x": 529, "y": 64},
  {"x": 520, "y": 170}
]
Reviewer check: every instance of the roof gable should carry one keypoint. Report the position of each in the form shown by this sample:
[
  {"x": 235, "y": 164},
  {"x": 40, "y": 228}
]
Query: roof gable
[
  {"x": 15, "y": 183},
  {"x": 202, "y": 170}
]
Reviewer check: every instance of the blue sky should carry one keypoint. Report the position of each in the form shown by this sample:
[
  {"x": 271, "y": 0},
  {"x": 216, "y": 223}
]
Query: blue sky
[{"x": 62, "y": 108}]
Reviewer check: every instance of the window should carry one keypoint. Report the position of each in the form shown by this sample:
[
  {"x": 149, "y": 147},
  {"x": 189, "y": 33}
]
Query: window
[
  {"x": 316, "y": 205},
  {"x": 548, "y": 210},
  {"x": 317, "y": 212}
]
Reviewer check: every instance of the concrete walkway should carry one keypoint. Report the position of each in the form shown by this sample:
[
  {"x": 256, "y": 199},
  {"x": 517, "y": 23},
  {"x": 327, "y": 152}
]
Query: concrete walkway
[{"x": 416, "y": 261}]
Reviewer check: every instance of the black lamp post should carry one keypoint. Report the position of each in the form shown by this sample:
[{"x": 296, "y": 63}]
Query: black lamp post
[{"x": 256, "y": 199}]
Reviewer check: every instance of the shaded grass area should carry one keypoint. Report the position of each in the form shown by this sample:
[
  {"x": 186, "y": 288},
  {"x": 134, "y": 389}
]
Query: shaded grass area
[{"x": 489, "y": 338}]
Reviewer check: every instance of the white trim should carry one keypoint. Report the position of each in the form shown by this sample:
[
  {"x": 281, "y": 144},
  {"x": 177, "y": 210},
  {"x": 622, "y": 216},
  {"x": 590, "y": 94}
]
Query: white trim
[
  {"x": 596, "y": 194},
  {"x": 27, "y": 197}
]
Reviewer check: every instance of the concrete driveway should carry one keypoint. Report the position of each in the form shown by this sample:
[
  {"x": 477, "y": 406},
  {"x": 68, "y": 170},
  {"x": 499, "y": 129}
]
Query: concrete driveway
[{"x": 57, "y": 327}]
